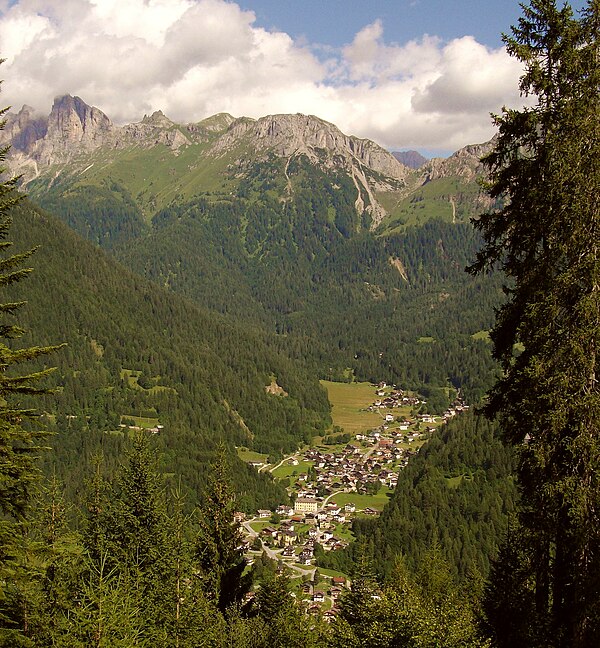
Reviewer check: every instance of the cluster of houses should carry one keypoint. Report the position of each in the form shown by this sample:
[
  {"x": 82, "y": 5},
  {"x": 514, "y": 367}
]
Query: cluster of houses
[
  {"x": 391, "y": 398},
  {"x": 351, "y": 470},
  {"x": 321, "y": 522},
  {"x": 313, "y": 519},
  {"x": 315, "y": 596}
]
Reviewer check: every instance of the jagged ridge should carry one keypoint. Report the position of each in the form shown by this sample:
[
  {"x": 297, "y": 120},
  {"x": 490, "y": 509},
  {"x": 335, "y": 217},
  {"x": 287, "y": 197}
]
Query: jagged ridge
[{"x": 46, "y": 148}]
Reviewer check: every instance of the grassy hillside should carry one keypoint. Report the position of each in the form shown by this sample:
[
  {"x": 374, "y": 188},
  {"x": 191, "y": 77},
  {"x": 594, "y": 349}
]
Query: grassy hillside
[
  {"x": 450, "y": 199},
  {"x": 349, "y": 406}
]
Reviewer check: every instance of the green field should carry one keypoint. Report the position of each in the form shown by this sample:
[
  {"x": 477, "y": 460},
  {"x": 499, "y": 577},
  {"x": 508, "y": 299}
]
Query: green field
[
  {"x": 142, "y": 421},
  {"x": 331, "y": 572},
  {"x": 344, "y": 532},
  {"x": 287, "y": 470},
  {"x": 448, "y": 199},
  {"x": 259, "y": 525},
  {"x": 249, "y": 455},
  {"x": 364, "y": 501},
  {"x": 349, "y": 402}
]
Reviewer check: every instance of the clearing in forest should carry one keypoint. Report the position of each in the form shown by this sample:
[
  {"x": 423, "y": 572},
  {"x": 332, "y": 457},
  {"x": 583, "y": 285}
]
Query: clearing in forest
[{"x": 349, "y": 403}]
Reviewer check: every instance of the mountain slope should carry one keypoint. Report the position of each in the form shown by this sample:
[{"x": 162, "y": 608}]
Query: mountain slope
[
  {"x": 411, "y": 159},
  {"x": 78, "y": 145},
  {"x": 352, "y": 261},
  {"x": 204, "y": 378}
]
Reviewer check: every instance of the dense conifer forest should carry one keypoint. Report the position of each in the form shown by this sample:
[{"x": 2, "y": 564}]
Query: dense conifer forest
[
  {"x": 203, "y": 377},
  {"x": 358, "y": 303}
]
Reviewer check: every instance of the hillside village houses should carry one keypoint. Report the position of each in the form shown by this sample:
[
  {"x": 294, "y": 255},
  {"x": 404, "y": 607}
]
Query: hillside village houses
[{"x": 385, "y": 451}]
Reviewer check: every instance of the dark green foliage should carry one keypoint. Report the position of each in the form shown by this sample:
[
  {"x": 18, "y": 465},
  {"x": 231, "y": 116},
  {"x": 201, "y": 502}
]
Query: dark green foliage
[
  {"x": 105, "y": 215},
  {"x": 142, "y": 580},
  {"x": 21, "y": 441},
  {"x": 335, "y": 298},
  {"x": 546, "y": 165},
  {"x": 218, "y": 547},
  {"x": 457, "y": 492},
  {"x": 285, "y": 624},
  {"x": 509, "y": 603},
  {"x": 429, "y": 610},
  {"x": 209, "y": 375}
]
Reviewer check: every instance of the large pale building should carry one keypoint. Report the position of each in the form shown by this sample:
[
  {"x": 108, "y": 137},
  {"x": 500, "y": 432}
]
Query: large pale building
[{"x": 305, "y": 505}]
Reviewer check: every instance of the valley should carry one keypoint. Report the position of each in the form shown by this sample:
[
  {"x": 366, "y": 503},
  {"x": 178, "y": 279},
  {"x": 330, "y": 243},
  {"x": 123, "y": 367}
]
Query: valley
[
  {"x": 343, "y": 475},
  {"x": 268, "y": 383},
  {"x": 282, "y": 304}
]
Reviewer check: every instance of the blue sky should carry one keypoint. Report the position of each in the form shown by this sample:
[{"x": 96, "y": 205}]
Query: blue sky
[
  {"x": 422, "y": 74},
  {"x": 335, "y": 22}
]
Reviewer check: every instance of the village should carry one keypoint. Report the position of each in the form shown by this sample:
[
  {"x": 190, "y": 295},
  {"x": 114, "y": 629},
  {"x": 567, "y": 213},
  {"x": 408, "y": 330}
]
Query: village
[{"x": 332, "y": 483}]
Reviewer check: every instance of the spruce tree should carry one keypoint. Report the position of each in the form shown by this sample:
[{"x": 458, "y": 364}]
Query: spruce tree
[
  {"x": 218, "y": 548},
  {"x": 21, "y": 439},
  {"x": 137, "y": 542},
  {"x": 545, "y": 172}
]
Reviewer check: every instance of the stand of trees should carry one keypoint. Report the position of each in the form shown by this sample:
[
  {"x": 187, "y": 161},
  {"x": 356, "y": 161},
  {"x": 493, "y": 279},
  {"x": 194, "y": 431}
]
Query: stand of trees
[{"x": 545, "y": 589}]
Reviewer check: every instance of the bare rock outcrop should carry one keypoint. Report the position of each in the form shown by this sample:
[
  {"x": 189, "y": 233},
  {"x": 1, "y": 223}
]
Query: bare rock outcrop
[
  {"x": 71, "y": 128},
  {"x": 320, "y": 141},
  {"x": 324, "y": 145},
  {"x": 465, "y": 163},
  {"x": 74, "y": 128}
]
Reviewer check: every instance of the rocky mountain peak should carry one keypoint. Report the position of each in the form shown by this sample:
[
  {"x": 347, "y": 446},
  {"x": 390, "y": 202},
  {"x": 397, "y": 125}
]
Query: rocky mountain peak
[
  {"x": 37, "y": 142},
  {"x": 72, "y": 121},
  {"x": 65, "y": 144},
  {"x": 369, "y": 165},
  {"x": 288, "y": 135},
  {"x": 411, "y": 159},
  {"x": 465, "y": 163},
  {"x": 215, "y": 124},
  {"x": 25, "y": 128},
  {"x": 158, "y": 118}
]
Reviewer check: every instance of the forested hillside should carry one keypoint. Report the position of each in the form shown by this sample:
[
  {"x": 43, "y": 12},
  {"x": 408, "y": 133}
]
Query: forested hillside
[
  {"x": 352, "y": 261},
  {"x": 456, "y": 496},
  {"x": 396, "y": 308},
  {"x": 200, "y": 376},
  {"x": 345, "y": 300}
]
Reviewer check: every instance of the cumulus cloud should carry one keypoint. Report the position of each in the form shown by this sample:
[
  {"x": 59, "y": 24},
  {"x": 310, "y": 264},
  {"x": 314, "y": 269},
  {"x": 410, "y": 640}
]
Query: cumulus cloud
[
  {"x": 193, "y": 58},
  {"x": 484, "y": 79}
]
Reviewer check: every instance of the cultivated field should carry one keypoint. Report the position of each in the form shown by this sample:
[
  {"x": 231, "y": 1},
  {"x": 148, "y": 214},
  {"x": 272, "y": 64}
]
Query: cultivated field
[{"x": 349, "y": 406}]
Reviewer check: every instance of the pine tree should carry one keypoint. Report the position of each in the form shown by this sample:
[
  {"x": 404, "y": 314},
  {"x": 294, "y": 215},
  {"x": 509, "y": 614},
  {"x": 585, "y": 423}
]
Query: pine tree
[
  {"x": 284, "y": 622},
  {"x": 545, "y": 168},
  {"x": 191, "y": 618},
  {"x": 218, "y": 550},
  {"x": 137, "y": 541},
  {"x": 21, "y": 439},
  {"x": 362, "y": 619}
]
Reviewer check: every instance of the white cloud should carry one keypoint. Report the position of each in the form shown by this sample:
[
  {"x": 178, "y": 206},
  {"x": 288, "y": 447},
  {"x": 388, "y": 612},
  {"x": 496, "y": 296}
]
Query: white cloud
[
  {"x": 193, "y": 58},
  {"x": 470, "y": 79}
]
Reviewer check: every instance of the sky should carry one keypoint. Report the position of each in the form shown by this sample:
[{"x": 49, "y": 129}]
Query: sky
[{"x": 409, "y": 74}]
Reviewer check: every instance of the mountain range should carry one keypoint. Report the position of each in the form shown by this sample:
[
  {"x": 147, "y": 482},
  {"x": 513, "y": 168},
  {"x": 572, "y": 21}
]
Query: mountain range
[{"x": 77, "y": 144}]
